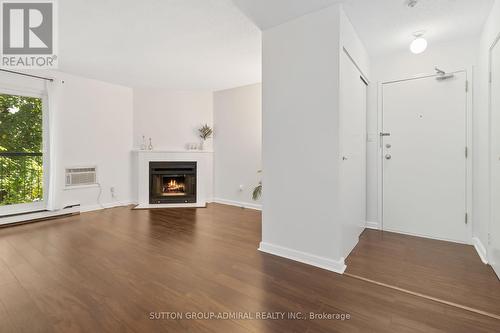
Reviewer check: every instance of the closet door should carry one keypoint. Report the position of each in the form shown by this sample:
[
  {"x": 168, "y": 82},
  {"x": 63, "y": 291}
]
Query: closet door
[
  {"x": 353, "y": 90},
  {"x": 494, "y": 246}
]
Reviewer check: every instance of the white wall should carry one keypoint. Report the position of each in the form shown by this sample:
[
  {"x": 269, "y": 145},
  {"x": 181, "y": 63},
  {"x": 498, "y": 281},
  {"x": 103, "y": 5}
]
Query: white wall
[
  {"x": 481, "y": 124},
  {"x": 238, "y": 144},
  {"x": 350, "y": 40},
  {"x": 94, "y": 127},
  {"x": 300, "y": 137},
  {"x": 171, "y": 118},
  {"x": 302, "y": 216},
  {"x": 451, "y": 56}
]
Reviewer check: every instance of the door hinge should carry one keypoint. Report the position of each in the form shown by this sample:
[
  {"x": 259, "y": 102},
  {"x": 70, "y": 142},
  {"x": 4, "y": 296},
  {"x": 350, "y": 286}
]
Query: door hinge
[
  {"x": 466, "y": 85},
  {"x": 466, "y": 152},
  {"x": 466, "y": 218}
]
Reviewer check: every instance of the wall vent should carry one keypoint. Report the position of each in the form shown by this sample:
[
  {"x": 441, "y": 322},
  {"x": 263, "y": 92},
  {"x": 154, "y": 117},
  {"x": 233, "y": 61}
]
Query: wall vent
[{"x": 81, "y": 176}]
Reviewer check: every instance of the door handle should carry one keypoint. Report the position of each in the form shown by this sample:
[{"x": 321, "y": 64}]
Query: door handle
[
  {"x": 385, "y": 134},
  {"x": 388, "y": 156}
]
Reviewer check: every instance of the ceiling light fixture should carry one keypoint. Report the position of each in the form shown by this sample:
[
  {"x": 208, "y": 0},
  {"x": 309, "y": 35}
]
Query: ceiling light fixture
[{"x": 419, "y": 44}]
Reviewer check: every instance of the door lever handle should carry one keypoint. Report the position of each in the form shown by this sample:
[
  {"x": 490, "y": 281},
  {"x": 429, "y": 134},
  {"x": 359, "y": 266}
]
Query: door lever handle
[{"x": 385, "y": 134}]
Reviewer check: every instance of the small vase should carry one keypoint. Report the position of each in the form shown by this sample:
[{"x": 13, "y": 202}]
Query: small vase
[
  {"x": 150, "y": 147},
  {"x": 143, "y": 144}
]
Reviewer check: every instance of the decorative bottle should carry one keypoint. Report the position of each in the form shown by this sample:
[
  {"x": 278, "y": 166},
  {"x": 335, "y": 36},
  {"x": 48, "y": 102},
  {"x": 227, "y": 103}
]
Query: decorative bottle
[{"x": 143, "y": 144}]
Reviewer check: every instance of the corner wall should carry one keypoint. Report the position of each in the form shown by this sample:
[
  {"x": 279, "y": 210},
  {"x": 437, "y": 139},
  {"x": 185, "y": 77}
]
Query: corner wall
[
  {"x": 237, "y": 144},
  {"x": 481, "y": 222},
  {"x": 300, "y": 138},
  {"x": 171, "y": 118},
  {"x": 94, "y": 127}
]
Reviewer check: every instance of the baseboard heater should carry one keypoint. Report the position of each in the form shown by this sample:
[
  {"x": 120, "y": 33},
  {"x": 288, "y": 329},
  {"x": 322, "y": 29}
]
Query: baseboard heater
[{"x": 30, "y": 217}]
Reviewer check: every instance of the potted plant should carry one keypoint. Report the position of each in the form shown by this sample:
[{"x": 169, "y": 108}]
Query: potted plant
[
  {"x": 257, "y": 191},
  {"x": 205, "y": 132}
]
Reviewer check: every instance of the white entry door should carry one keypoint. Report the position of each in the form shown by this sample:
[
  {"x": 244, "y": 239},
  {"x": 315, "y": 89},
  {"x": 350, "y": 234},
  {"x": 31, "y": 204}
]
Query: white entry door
[
  {"x": 494, "y": 246},
  {"x": 424, "y": 157}
]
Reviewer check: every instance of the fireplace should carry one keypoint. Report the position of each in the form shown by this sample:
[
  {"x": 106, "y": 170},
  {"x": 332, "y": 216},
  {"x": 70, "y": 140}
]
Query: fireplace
[{"x": 172, "y": 182}]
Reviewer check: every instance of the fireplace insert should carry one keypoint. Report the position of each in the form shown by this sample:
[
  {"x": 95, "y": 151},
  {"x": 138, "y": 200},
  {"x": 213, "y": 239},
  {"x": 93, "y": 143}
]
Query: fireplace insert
[{"x": 172, "y": 182}]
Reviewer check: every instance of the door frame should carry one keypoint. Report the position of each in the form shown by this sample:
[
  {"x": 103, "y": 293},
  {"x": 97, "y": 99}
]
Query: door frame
[
  {"x": 468, "y": 135},
  {"x": 491, "y": 157},
  {"x": 364, "y": 79}
]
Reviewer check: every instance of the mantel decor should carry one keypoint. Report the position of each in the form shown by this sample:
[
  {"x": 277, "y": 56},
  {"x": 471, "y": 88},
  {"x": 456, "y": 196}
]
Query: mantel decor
[{"x": 205, "y": 132}]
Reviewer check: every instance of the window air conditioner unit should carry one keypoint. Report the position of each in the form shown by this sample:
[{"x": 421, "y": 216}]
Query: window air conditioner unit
[{"x": 81, "y": 176}]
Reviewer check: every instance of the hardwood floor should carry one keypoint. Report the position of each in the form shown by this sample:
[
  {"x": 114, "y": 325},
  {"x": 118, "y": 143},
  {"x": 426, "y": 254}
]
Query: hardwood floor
[
  {"x": 448, "y": 271},
  {"x": 107, "y": 271}
]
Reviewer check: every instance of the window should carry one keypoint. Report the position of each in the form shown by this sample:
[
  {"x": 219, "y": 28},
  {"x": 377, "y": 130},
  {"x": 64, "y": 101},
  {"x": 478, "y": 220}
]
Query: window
[{"x": 21, "y": 153}]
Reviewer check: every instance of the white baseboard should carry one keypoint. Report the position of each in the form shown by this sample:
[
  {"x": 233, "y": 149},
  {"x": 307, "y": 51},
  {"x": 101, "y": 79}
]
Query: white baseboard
[
  {"x": 337, "y": 266},
  {"x": 90, "y": 208},
  {"x": 238, "y": 203},
  {"x": 38, "y": 215},
  {"x": 459, "y": 241},
  {"x": 481, "y": 250},
  {"x": 372, "y": 225}
]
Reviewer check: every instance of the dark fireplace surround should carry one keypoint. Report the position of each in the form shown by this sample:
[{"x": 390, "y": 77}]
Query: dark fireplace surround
[{"x": 172, "y": 182}]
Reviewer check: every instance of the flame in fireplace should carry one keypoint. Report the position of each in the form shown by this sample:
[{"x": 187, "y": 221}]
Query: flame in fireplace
[{"x": 174, "y": 186}]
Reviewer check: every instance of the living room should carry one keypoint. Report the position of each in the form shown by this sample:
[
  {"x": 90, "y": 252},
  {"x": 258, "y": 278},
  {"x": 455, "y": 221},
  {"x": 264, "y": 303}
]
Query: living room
[{"x": 238, "y": 165}]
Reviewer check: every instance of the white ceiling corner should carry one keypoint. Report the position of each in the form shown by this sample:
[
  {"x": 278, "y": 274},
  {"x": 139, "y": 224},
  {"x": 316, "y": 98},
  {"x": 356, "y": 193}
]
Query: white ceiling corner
[
  {"x": 387, "y": 26},
  {"x": 269, "y": 13},
  {"x": 384, "y": 26}
]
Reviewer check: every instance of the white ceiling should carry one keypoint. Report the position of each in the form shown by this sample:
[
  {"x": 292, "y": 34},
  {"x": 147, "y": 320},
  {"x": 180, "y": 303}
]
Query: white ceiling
[
  {"x": 269, "y": 13},
  {"x": 387, "y": 26},
  {"x": 213, "y": 44},
  {"x": 175, "y": 44}
]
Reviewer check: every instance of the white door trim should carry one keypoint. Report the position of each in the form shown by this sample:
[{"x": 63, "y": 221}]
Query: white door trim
[
  {"x": 469, "y": 109},
  {"x": 491, "y": 156}
]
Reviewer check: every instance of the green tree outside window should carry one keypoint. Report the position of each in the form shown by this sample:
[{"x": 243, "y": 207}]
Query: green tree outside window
[{"x": 21, "y": 147}]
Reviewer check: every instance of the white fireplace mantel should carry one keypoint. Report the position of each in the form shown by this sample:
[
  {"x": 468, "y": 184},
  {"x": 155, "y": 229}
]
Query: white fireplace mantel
[{"x": 204, "y": 176}]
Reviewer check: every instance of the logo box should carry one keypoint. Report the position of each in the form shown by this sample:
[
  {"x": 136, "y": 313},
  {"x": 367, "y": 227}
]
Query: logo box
[{"x": 28, "y": 32}]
